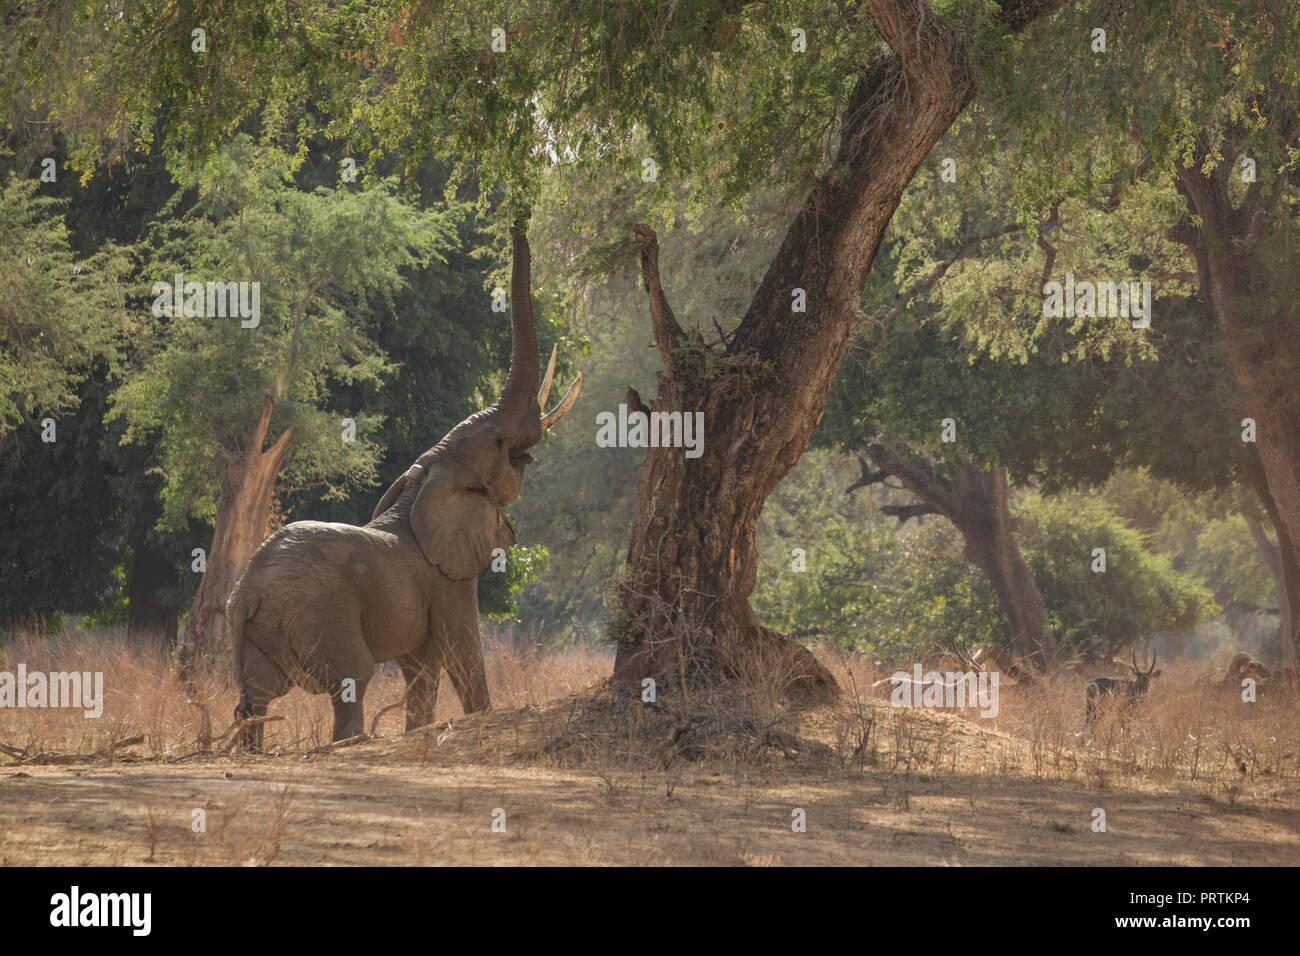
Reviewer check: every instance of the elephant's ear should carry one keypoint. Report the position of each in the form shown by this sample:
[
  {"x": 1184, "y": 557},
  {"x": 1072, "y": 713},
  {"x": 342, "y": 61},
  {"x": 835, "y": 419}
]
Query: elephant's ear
[{"x": 458, "y": 529}]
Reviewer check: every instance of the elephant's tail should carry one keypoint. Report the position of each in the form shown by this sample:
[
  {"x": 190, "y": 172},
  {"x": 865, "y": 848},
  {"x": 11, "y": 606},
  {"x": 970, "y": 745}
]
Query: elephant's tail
[{"x": 238, "y": 610}]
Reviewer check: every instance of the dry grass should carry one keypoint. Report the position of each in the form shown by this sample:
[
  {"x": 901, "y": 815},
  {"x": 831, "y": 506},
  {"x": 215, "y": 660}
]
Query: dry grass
[
  {"x": 142, "y": 696},
  {"x": 1180, "y": 733}
]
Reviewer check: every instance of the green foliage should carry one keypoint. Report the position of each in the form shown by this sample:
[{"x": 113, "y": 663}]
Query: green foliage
[
  {"x": 497, "y": 90},
  {"x": 69, "y": 553},
  {"x": 1205, "y": 535},
  {"x": 1138, "y": 595},
  {"x": 899, "y": 592},
  {"x": 63, "y": 320},
  {"x": 577, "y": 79},
  {"x": 1227, "y": 557},
  {"x": 447, "y": 350},
  {"x": 1206, "y": 68},
  {"x": 198, "y": 388},
  {"x": 498, "y": 591},
  {"x": 958, "y": 331},
  {"x": 889, "y": 591},
  {"x": 59, "y": 312},
  {"x": 847, "y": 553},
  {"x": 56, "y": 543},
  {"x": 115, "y": 609}
]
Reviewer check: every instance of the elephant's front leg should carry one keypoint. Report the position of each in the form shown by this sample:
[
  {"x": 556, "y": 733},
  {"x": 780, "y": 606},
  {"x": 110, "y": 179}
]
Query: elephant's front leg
[
  {"x": 466, "y": 668},
  {"x": 349, "y": 712},
  {"x": 422, "y": 671}
]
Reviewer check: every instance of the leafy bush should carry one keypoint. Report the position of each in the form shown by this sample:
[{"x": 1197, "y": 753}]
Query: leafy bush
[{"x": 900, "y": 592}]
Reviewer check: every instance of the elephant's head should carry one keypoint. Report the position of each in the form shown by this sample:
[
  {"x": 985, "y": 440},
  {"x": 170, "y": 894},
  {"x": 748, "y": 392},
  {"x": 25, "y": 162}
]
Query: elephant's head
[{"x": 453, "y": 495}]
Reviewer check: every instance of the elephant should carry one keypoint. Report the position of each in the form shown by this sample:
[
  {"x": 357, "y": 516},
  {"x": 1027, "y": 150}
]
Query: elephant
[{"x": 319, "y": 604}]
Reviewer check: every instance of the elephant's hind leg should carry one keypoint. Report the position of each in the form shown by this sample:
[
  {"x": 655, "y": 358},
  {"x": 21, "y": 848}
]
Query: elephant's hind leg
[
  {"x": 260, "y": 682},
  {"x": 335, "y": 661},
  {"x": 251, "y": 737}
]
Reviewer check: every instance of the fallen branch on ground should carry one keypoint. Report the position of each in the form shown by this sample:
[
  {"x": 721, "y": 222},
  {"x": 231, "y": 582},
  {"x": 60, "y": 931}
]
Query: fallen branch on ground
[
  {"x": 46, "y": 757},
  {"x": 348, "y": 742},
  {"x": 374, "y": 722}
]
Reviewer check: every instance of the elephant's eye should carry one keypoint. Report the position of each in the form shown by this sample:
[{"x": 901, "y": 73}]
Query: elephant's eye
[{"x": 501, "y": 443}]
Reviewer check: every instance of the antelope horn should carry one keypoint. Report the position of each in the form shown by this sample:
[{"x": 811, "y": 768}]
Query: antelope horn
[
  {"x": 562, "y": 409},
  {"x": 545, "y": 391}
]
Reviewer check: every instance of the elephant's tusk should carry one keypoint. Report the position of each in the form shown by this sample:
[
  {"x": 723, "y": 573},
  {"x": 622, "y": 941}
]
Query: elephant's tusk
[
  {"x": 545, "y": 392},
  {"x": 562, "y": 409}
]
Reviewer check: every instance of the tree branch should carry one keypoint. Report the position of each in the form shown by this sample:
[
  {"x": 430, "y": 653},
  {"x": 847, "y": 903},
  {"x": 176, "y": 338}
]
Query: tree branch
[
  {"x": 281, "y": 444},
  {"x": 1019, "y": 14},
  {"x": 666, "y": 330},
  {"x": 929, "y": 487},
  {"x": 1269, "y": 551},
  {"x": 900, "y": 23},
  {"x": 903, "y": 512},
  {"x": 939, "y": 271},
  {"x": 634, "y": 401},
  {"x": 263, "y": 422},
  {"x": 867, "y": 478}
]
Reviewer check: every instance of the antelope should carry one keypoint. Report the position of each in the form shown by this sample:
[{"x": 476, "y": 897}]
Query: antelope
[{"x": 1128, "y": 691}]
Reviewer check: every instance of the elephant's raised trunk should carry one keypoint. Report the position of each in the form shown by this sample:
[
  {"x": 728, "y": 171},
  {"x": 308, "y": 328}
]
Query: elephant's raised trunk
[{"x": 520, "y": 391}]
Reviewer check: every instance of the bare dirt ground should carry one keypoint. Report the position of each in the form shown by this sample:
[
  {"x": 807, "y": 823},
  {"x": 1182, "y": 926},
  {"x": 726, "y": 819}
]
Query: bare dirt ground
[{"x": 589, "y": 781}]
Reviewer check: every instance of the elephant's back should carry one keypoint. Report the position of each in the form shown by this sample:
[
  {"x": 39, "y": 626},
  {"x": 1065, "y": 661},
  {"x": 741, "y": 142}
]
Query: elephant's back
[
  {"x": 315, "y": 548},
  {"x": 300, "y": 533}
]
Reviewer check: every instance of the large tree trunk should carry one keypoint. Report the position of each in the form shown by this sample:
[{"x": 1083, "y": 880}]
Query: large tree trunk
[
  {"x": 1280, "y": 558},
  {"x": 683, "y": 610},
  {"x": 148, "y": 619},
  {"x": 1239, "y": 280},
  {"x": 243, "y": 516},
  {"x": 976, "y": 502}
]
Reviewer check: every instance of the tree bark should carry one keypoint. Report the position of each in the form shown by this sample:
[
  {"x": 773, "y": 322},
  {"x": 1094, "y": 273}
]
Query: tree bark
[
  {"x": 1280, "y": 558},
  {"x": 243, "y": 517},
  {"x": 1237, "y": 280},
  {"x": 148, "y": 619},
  {"x": 682, "y": 611},
  {"x": 976, "y": 502}
]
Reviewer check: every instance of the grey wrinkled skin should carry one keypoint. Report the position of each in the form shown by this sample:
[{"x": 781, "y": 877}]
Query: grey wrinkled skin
[{"x": 319, "y": 605}]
